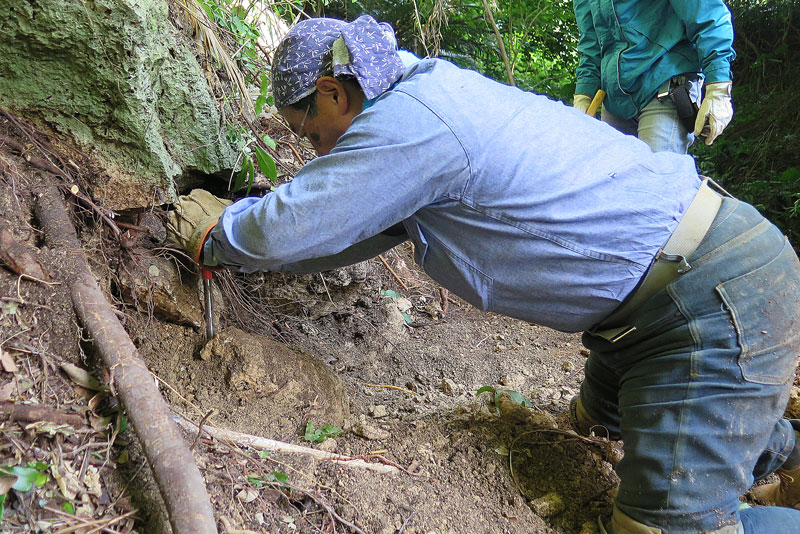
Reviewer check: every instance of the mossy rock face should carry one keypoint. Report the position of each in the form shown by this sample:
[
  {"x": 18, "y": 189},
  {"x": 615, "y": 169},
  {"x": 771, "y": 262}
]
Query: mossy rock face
[{"x": 120, "y": 83}]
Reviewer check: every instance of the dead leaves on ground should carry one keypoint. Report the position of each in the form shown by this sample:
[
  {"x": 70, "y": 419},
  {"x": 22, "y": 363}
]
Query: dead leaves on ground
[{"x": 20, "y": 258}]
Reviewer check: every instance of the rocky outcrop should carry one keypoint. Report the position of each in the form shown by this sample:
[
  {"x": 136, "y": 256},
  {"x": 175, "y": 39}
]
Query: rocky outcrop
[{"x": 116, "y": 80}]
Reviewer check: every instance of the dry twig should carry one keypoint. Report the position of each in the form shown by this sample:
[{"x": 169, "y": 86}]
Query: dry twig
[{"x": 257, "y": 442}]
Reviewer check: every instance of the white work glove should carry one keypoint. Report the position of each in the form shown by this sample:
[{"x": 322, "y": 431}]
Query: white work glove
[
  {"x": 581, "y": 102},
  {"x": 716, "y": 111}
]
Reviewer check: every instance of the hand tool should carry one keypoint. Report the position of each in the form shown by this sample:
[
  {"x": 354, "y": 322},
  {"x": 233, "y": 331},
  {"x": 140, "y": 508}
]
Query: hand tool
[
  {"x": 596, "y": 101},
  {"x": 208, "y": 302}
]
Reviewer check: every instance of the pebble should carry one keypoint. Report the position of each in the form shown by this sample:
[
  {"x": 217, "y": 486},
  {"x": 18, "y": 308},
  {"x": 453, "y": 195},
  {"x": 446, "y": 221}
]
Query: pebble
[
  {"x": 378, "y": 411},
  {"x": 448, "y": 387},
  {"x": 548, "y": 505}
]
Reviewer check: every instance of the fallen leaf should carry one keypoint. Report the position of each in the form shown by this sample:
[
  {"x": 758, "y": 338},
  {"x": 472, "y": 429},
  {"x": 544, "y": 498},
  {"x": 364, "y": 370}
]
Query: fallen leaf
[
  {"x": 7, "y": 481},
  {"x": 82, "y": 377},
  {"x": 50, "y": 428},
  {"x": 247, "y": 495},
  {"x": 19, "y": 258},
  {"x": 7, "y": 390},
  {"x": 9, "y": 307},
  {"x": 92, "y": 481},
  {"x": 8, "y": 363},
  {"x": 67, "y": 480}
]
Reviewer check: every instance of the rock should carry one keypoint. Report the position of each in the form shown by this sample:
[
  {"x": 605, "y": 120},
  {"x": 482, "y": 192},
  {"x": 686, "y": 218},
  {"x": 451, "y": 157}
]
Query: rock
[
  {"x": 123, "y": 85},
  {"x": 548, "y": 505},
  {"x": 590, "y": 527},
  {"x": 371, "y": 432},
  {"x": 156, "y": 286},
  {"x": 392, "y": 323},
  {"x": 379, "y": 411},
  {"x": 259, "y": 368},
  {"x": 448, "y": 387},
  {"x": 793, "y": 408}
]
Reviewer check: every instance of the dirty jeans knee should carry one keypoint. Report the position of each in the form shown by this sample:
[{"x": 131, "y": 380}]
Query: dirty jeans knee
[{"x": 704, "y": 380}]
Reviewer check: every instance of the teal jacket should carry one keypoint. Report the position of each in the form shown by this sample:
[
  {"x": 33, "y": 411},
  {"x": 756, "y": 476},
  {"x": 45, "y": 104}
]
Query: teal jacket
[{"x": 629, "y": 48}]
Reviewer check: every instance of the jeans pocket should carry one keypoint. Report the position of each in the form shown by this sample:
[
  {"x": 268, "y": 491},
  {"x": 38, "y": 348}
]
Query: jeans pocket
[{"x": 764, "y": 308}]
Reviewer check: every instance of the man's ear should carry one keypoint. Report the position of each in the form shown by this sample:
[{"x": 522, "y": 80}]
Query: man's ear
[{"x": 329, "y": 87}]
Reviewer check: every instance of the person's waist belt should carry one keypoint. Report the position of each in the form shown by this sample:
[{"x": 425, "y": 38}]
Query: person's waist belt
[{"x": 670, "y": 262}]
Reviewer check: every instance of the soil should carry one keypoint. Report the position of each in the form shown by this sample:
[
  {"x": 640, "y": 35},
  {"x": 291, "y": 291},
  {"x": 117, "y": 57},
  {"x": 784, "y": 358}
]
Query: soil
[{"x": 376, "y": 350}]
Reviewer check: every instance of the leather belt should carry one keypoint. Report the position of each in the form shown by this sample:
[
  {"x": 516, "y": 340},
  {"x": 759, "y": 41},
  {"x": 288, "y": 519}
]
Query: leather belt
[{"x": 670, "y": 262}]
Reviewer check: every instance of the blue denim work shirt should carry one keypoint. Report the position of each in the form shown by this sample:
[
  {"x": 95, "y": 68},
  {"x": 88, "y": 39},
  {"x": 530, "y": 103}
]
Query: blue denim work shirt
[{"x": 518, "y": 204}]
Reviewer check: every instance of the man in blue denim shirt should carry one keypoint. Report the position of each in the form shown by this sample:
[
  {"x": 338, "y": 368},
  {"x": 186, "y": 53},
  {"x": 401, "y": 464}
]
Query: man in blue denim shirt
[{"x": 526, "y": 207}]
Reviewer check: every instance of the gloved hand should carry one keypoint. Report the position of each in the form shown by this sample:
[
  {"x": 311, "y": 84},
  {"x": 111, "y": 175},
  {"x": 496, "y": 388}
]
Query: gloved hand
[
  {"x": 193, "y": 218},
  {"x": 716, "y": 110},
  {"x": 581, "y": 102}
]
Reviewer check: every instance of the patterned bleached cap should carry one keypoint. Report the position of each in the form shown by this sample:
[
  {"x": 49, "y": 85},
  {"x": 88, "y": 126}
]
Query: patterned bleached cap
[{"x": 320, "y": 47}]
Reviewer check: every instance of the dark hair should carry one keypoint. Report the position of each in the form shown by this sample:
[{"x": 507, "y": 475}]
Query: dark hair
[{"x": 309, "y": 102}]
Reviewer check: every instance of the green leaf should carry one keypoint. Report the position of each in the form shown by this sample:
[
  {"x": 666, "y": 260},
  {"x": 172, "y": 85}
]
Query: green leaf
[
  {"x": 2, "y": 508},
  {"x": 263, "y": 454},
  {"x": 266, "y": 164},
  {"x": 260, "y": 101},
  {"x": 264, "y": 89},
  {"x": 27, "y": 477},
  {"x": 280, "y": 477},
  {"x": 270, "y": 142},
  {"x": 484, "y": 389},
  {"x": 515, "y": 396},
  {"x": 68, "y": 507},
  {"x": 246, "y": 174},
  {"x": 241, "y": 176},
  {"x": 256, "y": 480},
  {"x": 389, "y": 293},
  {"x": 320, "y": 434},
  {"x": 790, "y": 175}
]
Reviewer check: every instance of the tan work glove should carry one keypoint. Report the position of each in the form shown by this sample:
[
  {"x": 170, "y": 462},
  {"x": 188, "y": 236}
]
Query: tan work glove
[
  {"x": 193, "y": 218},
  {"x": 581, "y": 102},
  {"x": 716, "y": 111}
]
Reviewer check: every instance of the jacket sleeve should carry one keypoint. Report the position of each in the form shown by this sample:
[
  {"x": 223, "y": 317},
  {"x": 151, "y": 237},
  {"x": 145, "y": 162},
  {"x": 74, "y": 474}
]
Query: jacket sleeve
[
  {"x": 588, "y": 71},
  {"x": 334, "y": 211},
  {"x": 709, "y": 26}
]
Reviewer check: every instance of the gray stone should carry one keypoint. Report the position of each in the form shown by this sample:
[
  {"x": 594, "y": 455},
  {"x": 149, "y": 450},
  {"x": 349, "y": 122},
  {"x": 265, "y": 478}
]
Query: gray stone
[{"x": 118, "y": 81}]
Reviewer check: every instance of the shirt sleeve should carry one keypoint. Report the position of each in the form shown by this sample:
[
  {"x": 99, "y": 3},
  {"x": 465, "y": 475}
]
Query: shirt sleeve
[
  {"x": 709, "y": 27},
  {"x": 588, "y": 71},
  {"x": 335, "y": 209}
]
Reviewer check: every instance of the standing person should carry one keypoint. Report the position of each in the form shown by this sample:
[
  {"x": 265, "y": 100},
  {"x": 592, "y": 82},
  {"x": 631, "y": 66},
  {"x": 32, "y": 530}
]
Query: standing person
[
  {"x": 652, "y": 58},
  {"x": 687, "y": 299}
]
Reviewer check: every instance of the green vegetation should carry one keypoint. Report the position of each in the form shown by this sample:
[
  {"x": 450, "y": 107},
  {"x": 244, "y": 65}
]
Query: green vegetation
[
  {"x": 757, "y": 158},
  {"x": 515, "y": 396},
  {"x": 270, "y": 479},
  {"x": 230, "y": 34},
  {"x": 21, "y": 479},
  {"x": 318, "y": 435}
]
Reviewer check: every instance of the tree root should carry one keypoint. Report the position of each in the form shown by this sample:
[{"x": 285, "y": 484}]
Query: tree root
[
  {"x": 176, "y": 473},
  {"x": 257, "y": 442}
]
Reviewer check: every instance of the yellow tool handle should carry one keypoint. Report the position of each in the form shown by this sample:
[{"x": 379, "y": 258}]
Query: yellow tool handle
[{"x": 596, "y": 101}]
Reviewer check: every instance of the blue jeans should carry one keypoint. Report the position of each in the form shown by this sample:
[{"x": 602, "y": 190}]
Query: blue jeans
[
  {"x": 697, "y": 392},
  {"x": 657, "y": 124}
]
